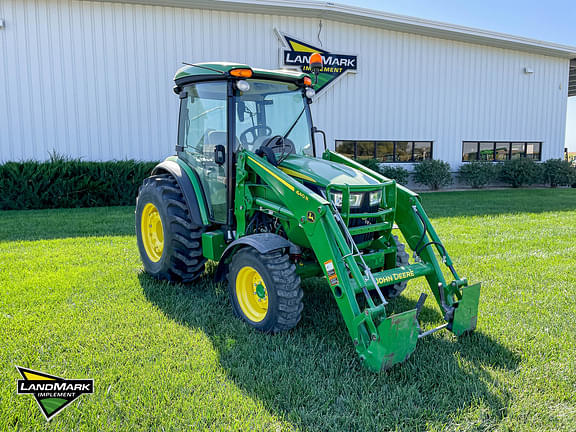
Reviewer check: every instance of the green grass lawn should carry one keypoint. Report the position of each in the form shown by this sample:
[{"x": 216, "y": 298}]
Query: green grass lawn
[{"x": 75, "y": 303}]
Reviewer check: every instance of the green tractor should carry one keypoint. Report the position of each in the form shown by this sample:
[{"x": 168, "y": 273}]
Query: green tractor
[{"x": 247, "y": 189}]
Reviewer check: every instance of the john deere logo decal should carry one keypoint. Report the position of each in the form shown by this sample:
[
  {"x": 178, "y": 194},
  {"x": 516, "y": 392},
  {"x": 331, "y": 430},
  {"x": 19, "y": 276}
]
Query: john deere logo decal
[
  {"x": 52, "y": 393},
  {"x": 297, "y": 53}
]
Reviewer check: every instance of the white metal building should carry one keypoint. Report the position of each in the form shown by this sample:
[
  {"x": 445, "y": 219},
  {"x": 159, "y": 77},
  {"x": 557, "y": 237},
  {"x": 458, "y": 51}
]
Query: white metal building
[{"x": 93, "y": 79}]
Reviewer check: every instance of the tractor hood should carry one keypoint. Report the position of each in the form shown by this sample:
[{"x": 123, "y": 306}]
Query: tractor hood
[{"x": 322, "y": 172}]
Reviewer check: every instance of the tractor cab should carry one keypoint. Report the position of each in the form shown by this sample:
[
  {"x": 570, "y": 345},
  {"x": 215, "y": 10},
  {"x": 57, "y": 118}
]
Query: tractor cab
[{"x": 229, "y": 107}]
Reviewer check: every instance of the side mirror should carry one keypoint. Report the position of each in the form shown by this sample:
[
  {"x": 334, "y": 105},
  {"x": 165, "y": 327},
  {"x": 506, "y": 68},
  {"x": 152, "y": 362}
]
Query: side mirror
[
  {"x": 240, "y": 110},
  {"x": 315, "y": 130},
  {"x": 316, "y": 65},
  {"x": 219, "y": 154}
]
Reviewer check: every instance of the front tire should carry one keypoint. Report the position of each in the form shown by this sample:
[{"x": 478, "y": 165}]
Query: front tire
[
  {"x": 170, "y": 244},
  {"x": 265, "y": 290},
  {"x": 402, "y": 259}
]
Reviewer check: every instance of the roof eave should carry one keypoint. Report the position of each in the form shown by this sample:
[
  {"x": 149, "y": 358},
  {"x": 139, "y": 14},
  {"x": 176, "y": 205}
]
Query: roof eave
[{"x": 373, "y": 18}]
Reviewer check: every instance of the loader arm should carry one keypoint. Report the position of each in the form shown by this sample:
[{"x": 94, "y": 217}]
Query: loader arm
[
  {"x": 380, "y": 341},
  {"x": 460, "y": 311}
]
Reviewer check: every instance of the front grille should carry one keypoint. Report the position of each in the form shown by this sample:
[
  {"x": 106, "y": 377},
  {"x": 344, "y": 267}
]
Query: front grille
[{"x": 365, "y": 208}]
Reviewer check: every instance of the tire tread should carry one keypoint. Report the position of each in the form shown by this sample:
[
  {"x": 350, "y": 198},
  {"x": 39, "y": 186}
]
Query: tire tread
[
  {"x": 287, "y": 286},
  {"x": 186, "y": 262}
]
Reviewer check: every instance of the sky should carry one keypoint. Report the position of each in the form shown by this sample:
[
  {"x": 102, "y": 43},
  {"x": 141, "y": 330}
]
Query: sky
[{"x": 551, "y": 21}]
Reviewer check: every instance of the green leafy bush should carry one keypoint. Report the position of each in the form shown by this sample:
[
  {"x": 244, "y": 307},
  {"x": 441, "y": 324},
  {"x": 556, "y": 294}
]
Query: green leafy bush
[
  {"x": 372, "y": 164},
  {"x": 558, "y": 172},
  {"x": 62, "y": 182},
  {"x": 433, "y": 173},
  {"x": 478, "y": 173},
  {"x": 521, "y": 171},
  {"x": 399, "y": 174}
]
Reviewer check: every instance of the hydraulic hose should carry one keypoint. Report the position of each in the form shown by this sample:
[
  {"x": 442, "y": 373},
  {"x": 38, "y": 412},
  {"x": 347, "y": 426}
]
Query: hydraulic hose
[
  {"x": 440, "y": 245},
  {"x": 423, "y": 226}
]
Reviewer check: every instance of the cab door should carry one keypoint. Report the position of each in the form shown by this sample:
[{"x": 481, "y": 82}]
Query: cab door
[{"x": 202, "y": 137}]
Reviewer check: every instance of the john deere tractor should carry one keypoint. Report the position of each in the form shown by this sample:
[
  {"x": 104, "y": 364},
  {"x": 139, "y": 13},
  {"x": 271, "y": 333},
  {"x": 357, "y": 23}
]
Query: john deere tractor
[{"x": 248, "y": 190}]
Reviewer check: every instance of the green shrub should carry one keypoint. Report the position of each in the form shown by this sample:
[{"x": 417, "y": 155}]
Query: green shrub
[
  {"x": 433, "y": 173},
  {"x": 399, "y": 174},
  {"x": 558, "y": 172},
  {"x": 521, "y": 171},
  {"x": 372, "y": 164},
  {"x": 62, "y": 182},
  {"x": 478, "y": 173}
]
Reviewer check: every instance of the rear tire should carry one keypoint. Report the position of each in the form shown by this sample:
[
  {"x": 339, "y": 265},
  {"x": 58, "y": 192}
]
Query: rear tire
[
  {"x": 172, "y": 250},
  {"x": 265, "y": 290}
]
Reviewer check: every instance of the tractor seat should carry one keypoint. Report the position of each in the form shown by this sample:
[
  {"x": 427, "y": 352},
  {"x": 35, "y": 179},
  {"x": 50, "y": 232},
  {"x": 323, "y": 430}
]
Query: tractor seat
[{"x": 215, "y": 138}]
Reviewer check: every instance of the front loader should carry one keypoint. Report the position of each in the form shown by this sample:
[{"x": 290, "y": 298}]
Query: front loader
[{"x": 246, "y": 189}]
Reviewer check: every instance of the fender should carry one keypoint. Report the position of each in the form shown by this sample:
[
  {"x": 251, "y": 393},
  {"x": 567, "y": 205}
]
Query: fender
[
  {"x": 191, "y": 189},
  {"x": 263, "y": 243}
]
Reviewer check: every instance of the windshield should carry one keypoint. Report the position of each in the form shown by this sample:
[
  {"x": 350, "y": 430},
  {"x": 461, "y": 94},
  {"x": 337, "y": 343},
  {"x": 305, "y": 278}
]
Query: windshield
[{"x": 272, "y": 108}]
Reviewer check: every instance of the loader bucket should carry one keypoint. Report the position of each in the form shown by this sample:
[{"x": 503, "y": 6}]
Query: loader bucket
[
  {"x": 466, "y": 313},
  {"x": 397, "y": 337}
]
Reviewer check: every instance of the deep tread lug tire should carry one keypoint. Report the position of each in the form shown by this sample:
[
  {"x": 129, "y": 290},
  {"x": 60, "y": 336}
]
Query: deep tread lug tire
[
  {"x": 182, "y": 259},
  {"x": 282, "y": 285},
  {"x": 402, "y": 259}
]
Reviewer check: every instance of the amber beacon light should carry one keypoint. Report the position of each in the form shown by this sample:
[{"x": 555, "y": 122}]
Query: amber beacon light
[{"x": 315, "y": 65}]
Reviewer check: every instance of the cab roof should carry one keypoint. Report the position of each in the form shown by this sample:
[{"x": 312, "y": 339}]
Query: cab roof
[{"x": 221, "y": 70}]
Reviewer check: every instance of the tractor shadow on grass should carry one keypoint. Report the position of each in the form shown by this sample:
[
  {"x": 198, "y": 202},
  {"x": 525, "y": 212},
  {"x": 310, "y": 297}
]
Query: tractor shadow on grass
[{"x": 312, "y": 378}]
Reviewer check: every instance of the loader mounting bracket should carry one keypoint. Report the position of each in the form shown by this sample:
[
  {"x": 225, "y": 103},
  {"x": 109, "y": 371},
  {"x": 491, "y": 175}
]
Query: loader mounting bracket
[
  {"x": 397, "y": 337},
  {"x": 466, "y": 312}
]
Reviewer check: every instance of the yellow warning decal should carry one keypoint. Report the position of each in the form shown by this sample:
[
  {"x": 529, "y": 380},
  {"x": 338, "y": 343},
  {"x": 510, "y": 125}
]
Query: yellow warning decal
[
  {"x": 297, "y": 174},
  {"x": 281, "y": 180}
]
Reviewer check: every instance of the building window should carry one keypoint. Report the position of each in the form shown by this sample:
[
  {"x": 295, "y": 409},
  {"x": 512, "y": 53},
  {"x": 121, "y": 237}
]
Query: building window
[
  {"x": 534, "y": 150},
  {"x": 346, "y": 148},
  {"x": 422, "y": 150},
  {"x": 404, "y": 151},
  {"x": 486, "y": 151},
  {"x": 517, "y": 150},
  {"x": 500, "y": 150},
  {"x": 386, "y": 151},
  {"x": 469, "y": 151},
  {"x": 365, "y": 150}
]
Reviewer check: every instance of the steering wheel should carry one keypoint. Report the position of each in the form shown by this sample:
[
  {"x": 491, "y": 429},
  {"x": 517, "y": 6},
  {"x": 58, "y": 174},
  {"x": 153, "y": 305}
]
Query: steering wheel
[
  {"x": 254, "y": 133},
  {"x": 276, "y": 144}
]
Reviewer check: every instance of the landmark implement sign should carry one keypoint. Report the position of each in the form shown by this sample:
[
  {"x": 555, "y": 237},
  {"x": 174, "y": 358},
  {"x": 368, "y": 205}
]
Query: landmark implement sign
[{"x": 296, "y": 54}]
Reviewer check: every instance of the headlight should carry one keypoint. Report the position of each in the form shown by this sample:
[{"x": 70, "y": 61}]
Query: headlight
[
  {"x": 355, "y": 199},
  {"x": 375, "y": 198},
  {"x": 336, "y": 198},
  {"x": 242, "y": 85},
  {"x": 310, "y": 92}
]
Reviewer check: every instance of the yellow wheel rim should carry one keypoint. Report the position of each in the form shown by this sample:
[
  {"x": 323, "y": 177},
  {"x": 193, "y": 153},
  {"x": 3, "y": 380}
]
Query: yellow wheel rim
[
  {"x": 152, "y": 232},
  {"x": 251, "y": 294}
]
